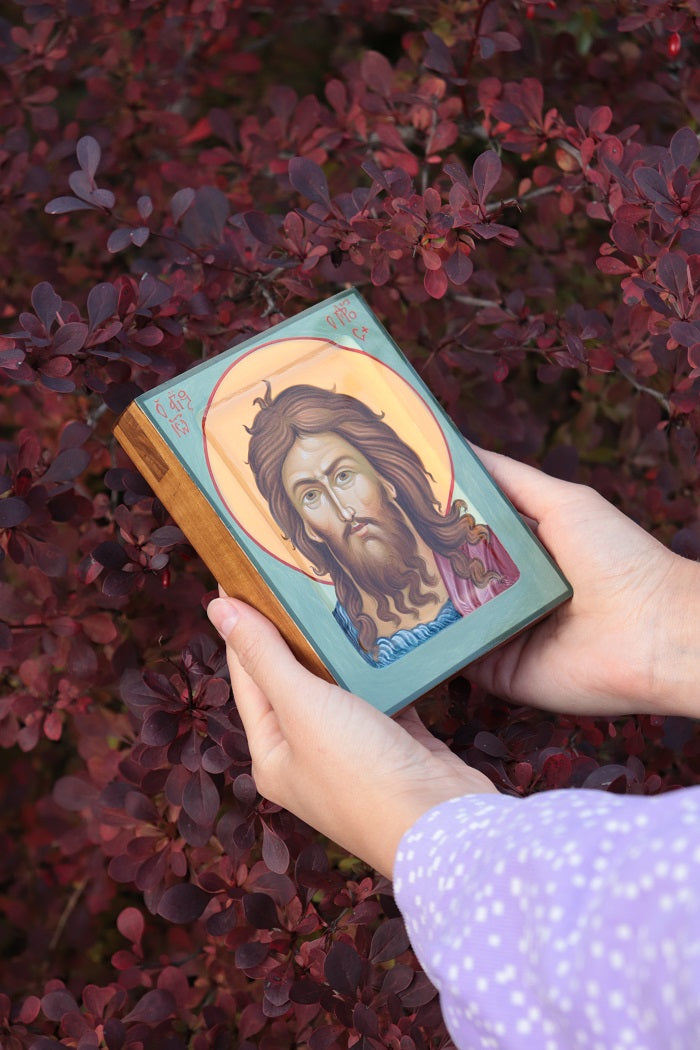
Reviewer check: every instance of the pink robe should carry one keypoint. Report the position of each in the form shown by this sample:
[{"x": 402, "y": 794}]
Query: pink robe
[{"x": 465, "y": 595}]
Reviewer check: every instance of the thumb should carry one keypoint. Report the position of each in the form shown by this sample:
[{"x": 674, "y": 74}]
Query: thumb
[
  {"x": 530, "y": 490},
  {"x": 259, "y": 656}
]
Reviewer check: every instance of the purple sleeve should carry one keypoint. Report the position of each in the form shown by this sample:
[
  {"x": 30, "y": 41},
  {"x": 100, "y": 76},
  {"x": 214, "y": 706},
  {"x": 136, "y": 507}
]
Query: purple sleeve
[{"x": 566, "y": 920}]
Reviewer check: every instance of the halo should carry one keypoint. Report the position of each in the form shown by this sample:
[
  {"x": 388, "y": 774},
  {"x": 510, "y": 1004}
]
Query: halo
[{"x": 318, "y": 362}]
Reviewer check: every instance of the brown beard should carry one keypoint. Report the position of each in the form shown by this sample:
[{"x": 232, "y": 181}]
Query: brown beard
[{"x": 386, "y": 567}]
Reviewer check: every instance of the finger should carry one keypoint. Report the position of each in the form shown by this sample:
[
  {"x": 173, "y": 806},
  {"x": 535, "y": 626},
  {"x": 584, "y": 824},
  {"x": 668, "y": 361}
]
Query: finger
[
  {"x": 251, "y": 702},
  {"x": 262, "y": 658},
  {"x": 410, "y": 720},
  {"x": 534, "y": 493}
]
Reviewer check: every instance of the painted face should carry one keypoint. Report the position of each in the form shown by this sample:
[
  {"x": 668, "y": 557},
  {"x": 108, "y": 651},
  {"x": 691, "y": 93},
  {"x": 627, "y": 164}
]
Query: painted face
[{"x": 335, "y": 490}]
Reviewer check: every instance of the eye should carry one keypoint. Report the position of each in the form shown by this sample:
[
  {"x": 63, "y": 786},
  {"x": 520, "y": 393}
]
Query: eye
[
  {"x": 310, "y": 498},
  {"x": 343, "y": 476}
]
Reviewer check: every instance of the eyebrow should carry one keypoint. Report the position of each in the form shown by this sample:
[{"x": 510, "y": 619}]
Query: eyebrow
[{"x": 333, "y": 465}]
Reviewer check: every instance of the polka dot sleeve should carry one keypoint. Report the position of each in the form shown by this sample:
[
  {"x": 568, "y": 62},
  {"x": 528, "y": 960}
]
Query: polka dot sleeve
[{"x": 566, "y": 920}]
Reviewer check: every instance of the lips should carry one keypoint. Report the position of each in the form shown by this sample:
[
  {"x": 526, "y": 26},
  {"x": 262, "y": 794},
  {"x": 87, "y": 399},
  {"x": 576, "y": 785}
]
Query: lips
[{"x": 358, "y": 527}]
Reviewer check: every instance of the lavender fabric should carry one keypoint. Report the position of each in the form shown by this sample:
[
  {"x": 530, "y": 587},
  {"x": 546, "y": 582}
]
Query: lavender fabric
[{"x": 570, "y": 919}]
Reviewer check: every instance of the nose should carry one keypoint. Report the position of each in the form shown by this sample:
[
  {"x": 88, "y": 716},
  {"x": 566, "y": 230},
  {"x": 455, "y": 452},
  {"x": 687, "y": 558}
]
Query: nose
[{"x": 345, "y": 512}]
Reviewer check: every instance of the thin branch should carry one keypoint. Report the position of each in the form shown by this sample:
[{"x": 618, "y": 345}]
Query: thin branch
[
  {"x": 472, "y": 300},
  {"x": 466, "y": 69},
  {"x": 67, "y": 912},
  {"x": 648, "y": 390}
]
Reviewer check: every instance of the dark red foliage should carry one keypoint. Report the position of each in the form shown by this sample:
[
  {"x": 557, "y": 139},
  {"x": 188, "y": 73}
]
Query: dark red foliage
[{"x": 515, "y": 189}]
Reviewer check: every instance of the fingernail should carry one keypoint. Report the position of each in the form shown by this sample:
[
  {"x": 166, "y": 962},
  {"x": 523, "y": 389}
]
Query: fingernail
[{"x": 223, "y": 616}]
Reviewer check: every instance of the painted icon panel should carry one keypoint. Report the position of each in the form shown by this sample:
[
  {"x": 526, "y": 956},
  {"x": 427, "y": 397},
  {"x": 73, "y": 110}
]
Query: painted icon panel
[{"x": 365, "y": 513}]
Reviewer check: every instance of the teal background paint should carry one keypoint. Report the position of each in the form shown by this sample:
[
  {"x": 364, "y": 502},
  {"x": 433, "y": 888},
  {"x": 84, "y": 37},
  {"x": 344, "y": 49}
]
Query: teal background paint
[{"x": 541, "y": 585}]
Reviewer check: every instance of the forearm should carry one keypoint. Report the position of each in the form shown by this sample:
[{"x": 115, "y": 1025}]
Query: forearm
[{"x": 560, "y": 920}]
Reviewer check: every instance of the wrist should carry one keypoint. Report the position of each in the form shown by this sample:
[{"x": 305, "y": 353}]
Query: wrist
[
  {"x": 674, "y": 672},
  {"x": 425, "y": 795}
]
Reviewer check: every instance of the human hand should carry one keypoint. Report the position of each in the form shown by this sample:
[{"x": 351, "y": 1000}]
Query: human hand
[
  {"x": 627, "y": 640},
  {"x": 354, "y": 774}
]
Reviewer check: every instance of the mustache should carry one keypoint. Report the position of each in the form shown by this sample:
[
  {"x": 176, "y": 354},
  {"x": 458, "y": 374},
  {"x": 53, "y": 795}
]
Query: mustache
[{"x": 357, "y": 523}]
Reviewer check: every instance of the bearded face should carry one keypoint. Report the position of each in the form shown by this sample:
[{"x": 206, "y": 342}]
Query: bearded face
[
  {"x": 383, "y": 560},
  {"x": 344, "y": 504}
]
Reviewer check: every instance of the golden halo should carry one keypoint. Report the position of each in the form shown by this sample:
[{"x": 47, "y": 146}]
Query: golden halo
[{"x": 323, "y": 363}]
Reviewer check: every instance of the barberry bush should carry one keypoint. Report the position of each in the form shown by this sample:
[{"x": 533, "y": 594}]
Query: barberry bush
[{"x": 514, "y": 188}]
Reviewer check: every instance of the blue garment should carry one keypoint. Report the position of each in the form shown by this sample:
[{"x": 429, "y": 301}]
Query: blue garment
[{"x": 408, "y": 638}]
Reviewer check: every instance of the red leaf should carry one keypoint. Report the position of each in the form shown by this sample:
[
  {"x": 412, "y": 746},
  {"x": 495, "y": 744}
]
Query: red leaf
[
  {"x": 612, "y": 265},
  {"x": 131, "y": 924},
  {"x": 326, "y": 1037},
  {"x": 684, "y": 147},
  {"x": 96, "y": 999},
  {"x": 68, "y": 465},
  {"x": 365, "y": 1020},
  {"x": 343, "y": 968},
  {"x": 419, "y": 992},
  {"x": 119, "y": 239},
  {"x": 167, "y": 536},
  {"x": 182, "y": 903},
  {"x": 435, "y": 282},
  {"x": 556, "y": 771},
  {"x": 29, "y": 1009},
  {"x": 251, "y": 954},
  {"x": 611, "y": 775},
  {"x": 118, "y": 584},
  {"x": 70, "y": 338},
  {"x": 274, "y": 851},
  {"x": 486, "y": 173},
  {"x": 57, "y": 1003},
  {"x": 62, "y": 205},
  {"x": 53, "y": 726},
  {"x": 102, "y": 303},
  {"x": 672, "y": 271},
  {"x": 522, "y": 774},
  {"x": 180, "y": 202},
  {"x": 490, "y": 745},
  {"x": 153, "y": 1007},
  {"x": 600, "y": 120},
  {"x": 75, "y": 794},
  {"x": 88, "y": 153},
  {"x": 160, "y": 727},
  {"x": 100, "y": 628},
  {"x": 46, "y": 304},
  {"x": 438, "y": 56},
  {"x": 200, "y": 799},
  {"x": 251, "y": 1021},
  {"x": 458, "y": 267},
  {"x": 13, "y": 512},
  {"x": 377, "y": 72},
  {"x": 651, "y": 185},
  {"x": 308, "y": 179},
  {"x": 389, "y": 941},
  {"x": 260, "y": 911},
  {"x": 686, "y": 333}
]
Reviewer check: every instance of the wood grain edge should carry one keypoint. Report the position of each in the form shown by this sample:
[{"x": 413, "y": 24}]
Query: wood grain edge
[{"x": 205, "y": 530}]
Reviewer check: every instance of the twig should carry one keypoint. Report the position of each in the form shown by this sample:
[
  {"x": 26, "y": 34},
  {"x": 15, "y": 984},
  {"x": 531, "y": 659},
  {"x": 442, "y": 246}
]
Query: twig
[
  {"x": 67, "y": 912},
  {"x": 466, "y": 69}
]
